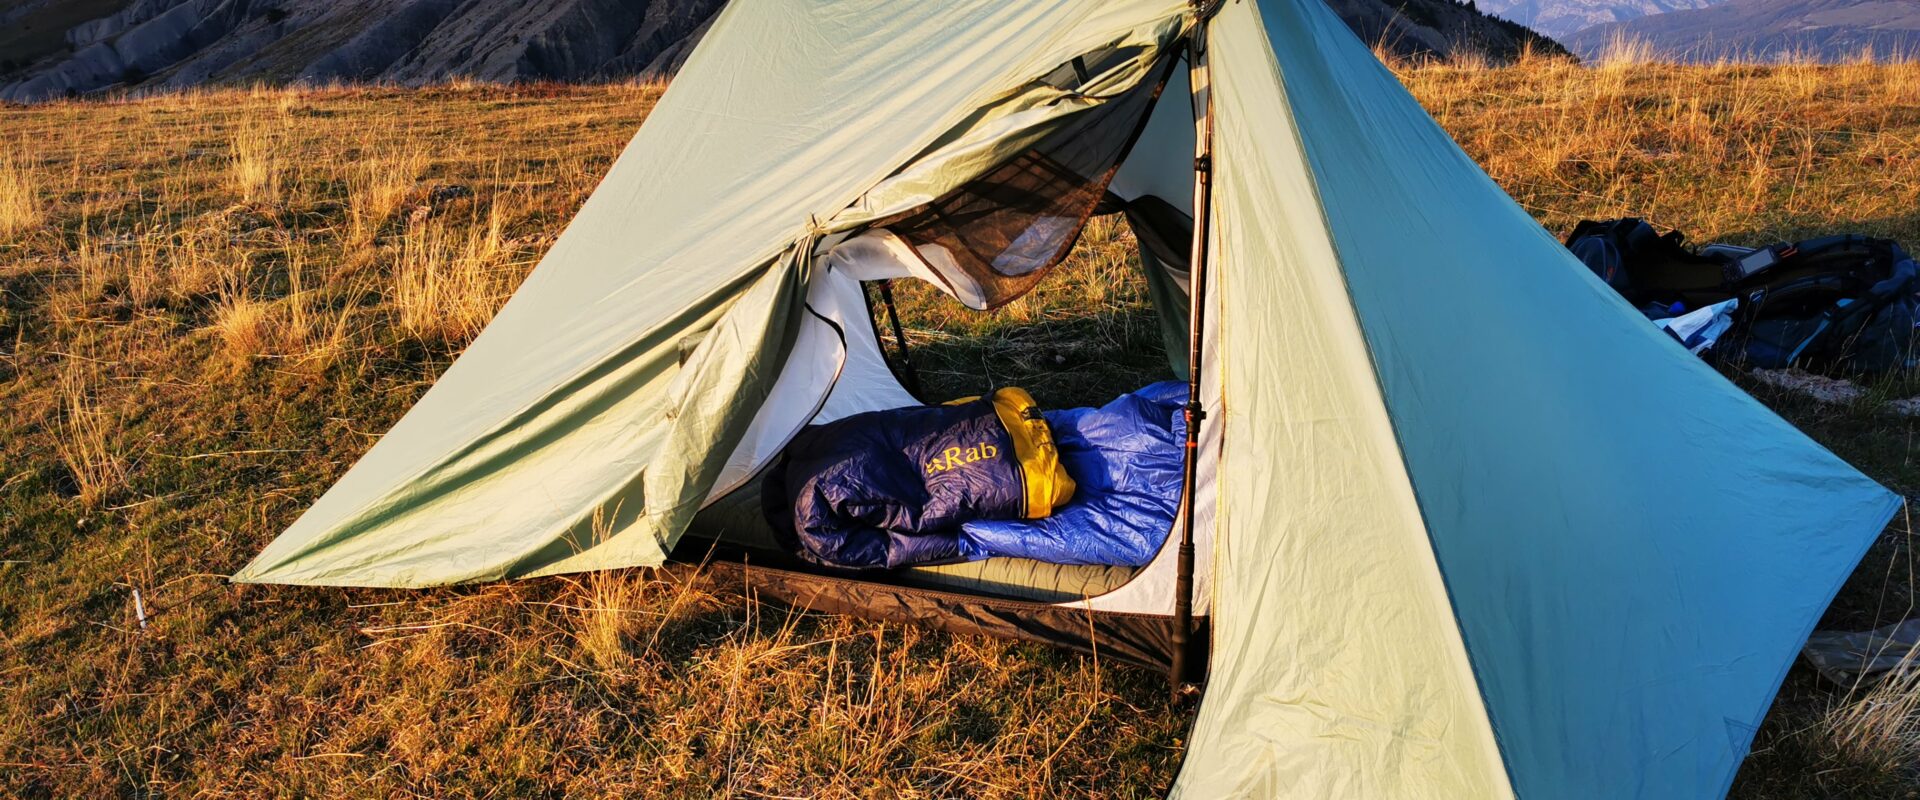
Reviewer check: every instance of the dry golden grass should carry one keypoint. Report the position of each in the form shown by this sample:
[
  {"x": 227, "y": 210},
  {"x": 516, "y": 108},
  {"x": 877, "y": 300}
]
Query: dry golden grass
[
  {"x": 1624, "y": 53},
  {"x": 222, "y": 297},
  {"x": 256, "y": 164},
  {"x": 379, "y": 182},
  {"x": 447, "y": 280},
  {"x": 1878, "y": 726},
  {"x": 19, "y": 200},
  {"x": 1731, "y": 151},
  {"x": 244, "y": 323},
  {"x": 316, "y": 335},
  {"x": 86, "y": 438}
]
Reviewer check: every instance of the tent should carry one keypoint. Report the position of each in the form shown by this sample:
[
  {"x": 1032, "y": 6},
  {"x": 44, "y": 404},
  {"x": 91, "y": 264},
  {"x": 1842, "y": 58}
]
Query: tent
[{"x": 1461, "y": 525}]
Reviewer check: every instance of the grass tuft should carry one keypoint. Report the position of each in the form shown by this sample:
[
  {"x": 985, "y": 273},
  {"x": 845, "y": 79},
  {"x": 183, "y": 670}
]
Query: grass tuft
[
  {"x": 378, "y": 184},
  {"x": 256, "y": 166},
  {"x": 1877, "y": 728},
  {"x": 1625, "y": 52},
  {"x": 20, "y": 209},
  {"x": 86, "y": 439},
  {"x": 446, "y": 284},
  {"x": 245, "y": 324}
]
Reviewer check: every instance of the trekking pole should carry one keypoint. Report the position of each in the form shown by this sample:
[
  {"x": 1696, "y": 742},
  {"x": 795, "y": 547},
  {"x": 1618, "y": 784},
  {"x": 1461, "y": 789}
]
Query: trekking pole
[
  {"x": 909, "y": 377},
  {"x": 900, "y": 338},
  {"x": 1201, "y": 81}
]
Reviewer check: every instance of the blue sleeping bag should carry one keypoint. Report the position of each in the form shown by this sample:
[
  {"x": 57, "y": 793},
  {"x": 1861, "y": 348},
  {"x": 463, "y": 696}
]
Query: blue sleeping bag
[
  {"x": 1126, "y": 461},
  {"x": 947, "y": 483}
]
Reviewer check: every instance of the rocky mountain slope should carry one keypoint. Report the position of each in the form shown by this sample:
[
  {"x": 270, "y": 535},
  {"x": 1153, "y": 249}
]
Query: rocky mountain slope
[
  {"x": 1765, "y": 30},
  {"x": 1561, "y": 18},
  {"x": 57, "y": 48},
  {"x": 170, "y": 43},
  {"x": 1439, "y": 28}
]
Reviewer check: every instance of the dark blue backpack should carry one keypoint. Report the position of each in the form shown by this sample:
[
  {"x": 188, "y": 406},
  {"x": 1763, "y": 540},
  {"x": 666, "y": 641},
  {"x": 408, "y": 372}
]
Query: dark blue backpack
[{"x": 1837, "y": 303}]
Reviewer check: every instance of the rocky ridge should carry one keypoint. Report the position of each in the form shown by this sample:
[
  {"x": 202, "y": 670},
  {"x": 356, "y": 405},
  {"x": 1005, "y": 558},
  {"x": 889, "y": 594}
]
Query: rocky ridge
[{"x": 163, "y": 44}]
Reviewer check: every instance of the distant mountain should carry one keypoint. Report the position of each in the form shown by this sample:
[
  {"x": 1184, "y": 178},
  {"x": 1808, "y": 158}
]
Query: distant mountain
[
  {"x": 1561, "y": 18},
  {"x": 1439, "y": 28},
  {"x": 1766, "y": 30},
  {"x": 56, "y": 48},
  {"x": 173, "y": 43}
]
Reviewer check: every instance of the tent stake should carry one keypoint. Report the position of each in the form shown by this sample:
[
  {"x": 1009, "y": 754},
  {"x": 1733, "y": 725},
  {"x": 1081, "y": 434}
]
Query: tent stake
[{"x": 1201, "y": 81}]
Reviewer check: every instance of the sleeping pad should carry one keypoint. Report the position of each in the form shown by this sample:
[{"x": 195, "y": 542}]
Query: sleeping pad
[
  {"x": 948, "y": 483},
  {"x": 891, "y": 488}
]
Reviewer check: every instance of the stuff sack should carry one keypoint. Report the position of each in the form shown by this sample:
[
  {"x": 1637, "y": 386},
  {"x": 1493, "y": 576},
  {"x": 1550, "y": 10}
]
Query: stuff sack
[
  {"x": 1841, "y": 302},
  {"x": 889, "y": 489}
]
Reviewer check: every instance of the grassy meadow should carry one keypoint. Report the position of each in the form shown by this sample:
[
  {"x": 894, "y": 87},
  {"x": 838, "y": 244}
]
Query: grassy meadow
[{"x": 212, "y": 303}]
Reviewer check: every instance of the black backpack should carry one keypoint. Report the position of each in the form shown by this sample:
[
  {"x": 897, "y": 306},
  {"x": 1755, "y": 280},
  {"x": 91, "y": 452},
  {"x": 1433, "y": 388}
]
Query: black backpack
[{"x": 1836, "y": 302}]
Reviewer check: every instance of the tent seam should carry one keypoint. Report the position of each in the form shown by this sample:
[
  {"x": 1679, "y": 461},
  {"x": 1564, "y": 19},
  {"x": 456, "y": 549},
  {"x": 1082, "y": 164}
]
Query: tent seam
[{"x": 1406, "y": 468}]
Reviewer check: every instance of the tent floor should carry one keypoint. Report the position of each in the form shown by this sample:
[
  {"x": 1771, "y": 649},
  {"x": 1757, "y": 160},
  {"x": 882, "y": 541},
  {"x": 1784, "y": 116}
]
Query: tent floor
[
  {"x": 1144, "y": 640},
  {"x": 734, "y": 523}
]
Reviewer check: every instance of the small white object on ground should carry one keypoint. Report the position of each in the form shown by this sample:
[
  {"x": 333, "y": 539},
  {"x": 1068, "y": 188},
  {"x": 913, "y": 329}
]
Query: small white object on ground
[{"x": 1700, "y": 328}]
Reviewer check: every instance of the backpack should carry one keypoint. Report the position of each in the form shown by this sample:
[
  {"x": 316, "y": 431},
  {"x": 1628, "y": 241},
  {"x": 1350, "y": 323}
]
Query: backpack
[
  {"x": 1648, "y": 267},
  {"x": 1841, "y": 302}
]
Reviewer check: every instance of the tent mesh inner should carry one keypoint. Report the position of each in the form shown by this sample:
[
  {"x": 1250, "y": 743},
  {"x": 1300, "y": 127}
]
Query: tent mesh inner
[{"x": 1008, "y": 227}]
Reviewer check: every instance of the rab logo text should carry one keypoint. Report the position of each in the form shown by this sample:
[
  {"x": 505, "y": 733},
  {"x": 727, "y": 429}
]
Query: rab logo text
[{"x": 954, "y": 458}]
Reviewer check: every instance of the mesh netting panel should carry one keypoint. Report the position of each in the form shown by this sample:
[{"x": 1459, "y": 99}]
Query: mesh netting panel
[{"x": 1004, "y": 230}]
